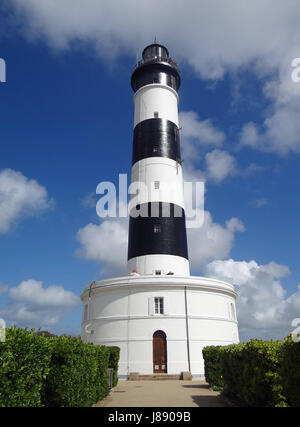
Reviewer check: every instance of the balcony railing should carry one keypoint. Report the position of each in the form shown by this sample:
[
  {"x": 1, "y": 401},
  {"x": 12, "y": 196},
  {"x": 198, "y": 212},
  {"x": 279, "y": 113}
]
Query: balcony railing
[{"x": 156, "y": 59}]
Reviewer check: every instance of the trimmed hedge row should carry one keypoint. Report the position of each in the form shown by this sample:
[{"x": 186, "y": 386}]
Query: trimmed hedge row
[
  {"x": 290, "y": 371},
  {"x": 59, "y": 371},
  {"x": 113, "y": 363},
  {"x": 24, "y": 366},
  {"x": 257, "y": 373},
  {"x": 212, "y": 366}
]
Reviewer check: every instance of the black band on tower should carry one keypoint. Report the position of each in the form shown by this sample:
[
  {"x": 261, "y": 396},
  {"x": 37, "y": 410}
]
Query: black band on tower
[
  {"x": 156, "y": 138},
  {"x": 156, "y": 72},
  {"x": 158, "y": 235}
]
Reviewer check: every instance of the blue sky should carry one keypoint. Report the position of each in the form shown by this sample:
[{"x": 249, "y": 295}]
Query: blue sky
[{"x": 66, "y": 115}]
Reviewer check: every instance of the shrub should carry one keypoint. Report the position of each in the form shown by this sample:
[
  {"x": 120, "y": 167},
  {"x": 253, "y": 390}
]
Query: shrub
[
  {"x": 290, "y": 371},
  {"x": 102, "y": 381},
  {"x": 212, "y": 366},
  {"x": 250, "y": 371},
  {"x": 24, "y": 361},
  {"x": 114, "y": 363},
  {"x": 73, "y": 373},
  {"x": 36, "y": 370}
]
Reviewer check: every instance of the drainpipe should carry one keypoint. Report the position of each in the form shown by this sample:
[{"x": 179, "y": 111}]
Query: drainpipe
[
  {"x": 89, "y": 304},
  {"x": 128, "y": 329},
  {"x": 187, "y": 330}
]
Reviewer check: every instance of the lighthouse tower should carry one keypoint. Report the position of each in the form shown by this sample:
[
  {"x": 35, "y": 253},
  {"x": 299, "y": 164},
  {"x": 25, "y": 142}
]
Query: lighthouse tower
[
  {"x": 159, "y": 315},
  {"x": 157, "y": 237}
]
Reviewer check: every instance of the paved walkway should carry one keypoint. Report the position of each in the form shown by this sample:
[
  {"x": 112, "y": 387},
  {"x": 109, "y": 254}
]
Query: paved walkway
[{"x": 165, "y": 393}]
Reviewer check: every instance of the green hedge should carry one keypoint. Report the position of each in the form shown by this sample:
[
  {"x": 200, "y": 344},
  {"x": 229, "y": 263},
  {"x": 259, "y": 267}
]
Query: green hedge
[
  {"x": 251, "y": 372},
  {"x": 60, "y": 371},
  {"x": 73, "y": 373},
  {"x": 212, "y": 366},
  {"x": 24, "y": 365},
  {"x": 290, "y": 371},
  {"x": 114, "y": 363}
]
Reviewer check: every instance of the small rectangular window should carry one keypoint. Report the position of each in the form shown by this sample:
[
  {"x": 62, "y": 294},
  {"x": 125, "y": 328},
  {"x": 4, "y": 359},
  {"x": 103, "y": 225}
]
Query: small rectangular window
[
  {"x": 158, "y": 272},
  {"x": 85, "y": 312},
  {"x": 155, "y": 148},
  {"x": 157, "y": 228},
  {"x": 155, "y": 114},
  {"x": 156, "y": 185},
  {"x": 232, "y": 311},
  {"x": 158, "y": 305}
]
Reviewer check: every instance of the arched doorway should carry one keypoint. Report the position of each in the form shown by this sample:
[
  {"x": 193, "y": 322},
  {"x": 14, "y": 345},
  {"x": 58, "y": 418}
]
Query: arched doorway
[{"x": 159, "y": 352}]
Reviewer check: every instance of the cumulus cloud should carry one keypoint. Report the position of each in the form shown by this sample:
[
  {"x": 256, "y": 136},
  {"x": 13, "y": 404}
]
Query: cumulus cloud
[
  {"x": 201, "y": 162},
  {"x": 219, "y": 165},
  {"x": 264, "y": 310},
  {"x": 20, "y": 197},
  {"x": 197, "y": 133},
  {"x": 32, "y": 305},
  {"x": 212, "y": 241},
  {"x": 215, "y": 38},
  {"x": 106, "y": 243}
]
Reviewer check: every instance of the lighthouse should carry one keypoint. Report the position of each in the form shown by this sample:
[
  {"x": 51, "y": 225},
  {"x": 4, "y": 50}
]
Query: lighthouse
[
  {"x": 157, "y": 236},
  {"x": 159, "y": 315}
]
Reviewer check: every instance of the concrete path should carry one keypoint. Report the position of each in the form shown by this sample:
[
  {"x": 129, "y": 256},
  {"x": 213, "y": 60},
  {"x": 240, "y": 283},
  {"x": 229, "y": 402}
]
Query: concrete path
[{"x": 167, "y": 393}]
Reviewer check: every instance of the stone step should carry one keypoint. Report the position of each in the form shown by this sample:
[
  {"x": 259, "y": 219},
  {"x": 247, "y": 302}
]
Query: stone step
[
  {"x": 160, "y": 377},
  {"x": 134, "y": 376}
]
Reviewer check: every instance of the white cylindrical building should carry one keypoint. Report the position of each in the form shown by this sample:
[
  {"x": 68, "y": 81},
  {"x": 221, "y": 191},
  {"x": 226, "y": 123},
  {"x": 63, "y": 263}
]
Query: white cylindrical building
[{"x": 159, "y": 315}]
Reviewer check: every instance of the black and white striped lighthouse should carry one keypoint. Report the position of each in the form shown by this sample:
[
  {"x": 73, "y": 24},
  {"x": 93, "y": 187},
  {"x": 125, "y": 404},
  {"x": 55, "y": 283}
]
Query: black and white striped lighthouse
[
  {"x": 162, "y": 317},
  {"x": 157, "y": 231}
]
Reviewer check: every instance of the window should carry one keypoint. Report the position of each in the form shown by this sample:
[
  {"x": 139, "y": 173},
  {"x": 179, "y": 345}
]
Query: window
[
  {"x": 155, "y": 148},
  {"x": 85, "y": 312},
  {"x": 158, "y": 272},
  {"x": 158, "y": 305},
  {"x": 232, "y": 312},
  {"x": 155, "y": 114},
  {"x": 157, "y": 228},
  {"x": 156, "y": 185}
]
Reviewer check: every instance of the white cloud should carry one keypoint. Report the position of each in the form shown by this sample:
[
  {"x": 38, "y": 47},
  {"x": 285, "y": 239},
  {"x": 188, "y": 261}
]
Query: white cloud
[
  {"x": 219, "y": 165},
  {"x": 259, "y": 202},
  {"x": 235, "y": 224},
  {"x": 264, "y": 310},
  {"x": 211, "y": 241},
  {"x": 106, "y": 243},
  {"x": 89, "y": 201},
  {"x": 197, "y": 138},
  {"x": 214, "y": 38},
  {"x": 197, "y": 133},
  {"x": 20, "y": 197},
  {"x": 33, "y": 305}
]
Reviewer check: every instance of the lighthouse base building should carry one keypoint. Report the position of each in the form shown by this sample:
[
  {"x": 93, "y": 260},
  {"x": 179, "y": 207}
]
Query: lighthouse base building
[
  {"x": 160, "y": 323},
  {"x": 159, "y": 315}
]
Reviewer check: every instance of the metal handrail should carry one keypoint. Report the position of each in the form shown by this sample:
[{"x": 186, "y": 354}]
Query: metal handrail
[{"x": 156, "y": 59}]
